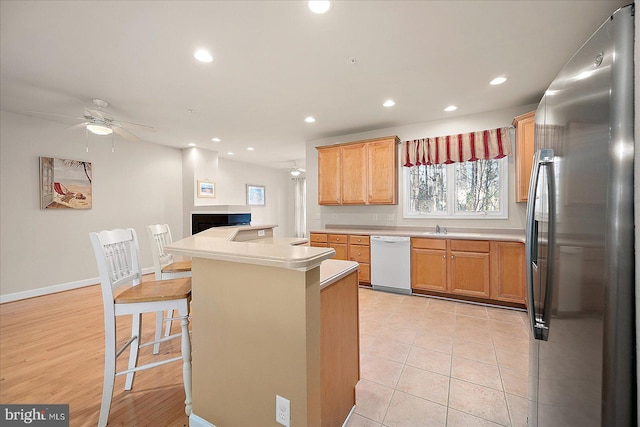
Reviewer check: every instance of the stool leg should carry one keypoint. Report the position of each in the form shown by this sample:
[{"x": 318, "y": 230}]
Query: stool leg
[
  {"x": 186, "y": 356},
  {"x": 158, "y": 335},
  {"x": 167, "y": 328},
  {"x": 109, "y": 371},
  {"x": 136, "y": 330}
]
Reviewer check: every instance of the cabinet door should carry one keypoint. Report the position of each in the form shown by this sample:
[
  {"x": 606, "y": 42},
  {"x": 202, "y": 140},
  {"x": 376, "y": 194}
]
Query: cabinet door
[
  {"x": 341, "y": 250},
  {"x": 383, "y": 172},
  {"x": 469, "y": 273},
  {"x": 507, "y": 272},
  {"x": 429, "y": 269},
  {"x": 354, "y": 174},
  {"x": 524, "y": 153},
  {"x": 329, "y": 176}
]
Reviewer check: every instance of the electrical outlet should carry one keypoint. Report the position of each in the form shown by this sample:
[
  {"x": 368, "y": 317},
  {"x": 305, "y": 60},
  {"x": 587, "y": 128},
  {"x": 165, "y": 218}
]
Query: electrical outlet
[
  {"x": 391, "y": 217},
  {"x": 260, "y": 233},
  {"x": 283, "y": 411},
  {"x": 375, "y": 217}
]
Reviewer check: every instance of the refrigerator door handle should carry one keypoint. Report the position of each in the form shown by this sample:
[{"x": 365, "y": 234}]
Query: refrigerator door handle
[{"x": 542, "y": 159}]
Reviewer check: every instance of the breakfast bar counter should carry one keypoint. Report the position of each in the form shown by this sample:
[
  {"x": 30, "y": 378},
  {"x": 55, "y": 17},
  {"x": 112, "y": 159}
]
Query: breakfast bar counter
[{"x": 270, "y": 317}]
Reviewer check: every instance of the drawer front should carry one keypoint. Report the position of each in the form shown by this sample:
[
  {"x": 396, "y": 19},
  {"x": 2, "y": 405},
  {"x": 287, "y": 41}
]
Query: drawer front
[
  {"x": 469, "y": 245},
  {"x": 365, "y": 273},
  {"x": 420, "y": 243},
  {"x": 318, "y": 238},
  {"x": 359, "y": 253},
  {"x": 338, "y": 238},
  {"x": 357, "y": 239},
  {"x": 318, "y": 245}
]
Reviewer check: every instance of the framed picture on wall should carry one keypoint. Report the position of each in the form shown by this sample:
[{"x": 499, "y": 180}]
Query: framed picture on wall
[
  {"x": 65, "y": 184},
  {"x": 206, "y": 188},
  {"x": 256, "y": 195}
]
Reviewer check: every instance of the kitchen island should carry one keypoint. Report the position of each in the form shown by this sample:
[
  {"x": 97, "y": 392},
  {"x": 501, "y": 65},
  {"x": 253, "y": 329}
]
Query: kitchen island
[{"x": 270, "y": 317}]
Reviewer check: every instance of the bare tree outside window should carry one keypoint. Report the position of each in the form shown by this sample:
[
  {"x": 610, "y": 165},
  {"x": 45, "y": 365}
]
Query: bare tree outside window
[
  {"x": 428, "y": 189},
  {"x": 478, "y": 186},
  {"x": 458, "y": 189}
]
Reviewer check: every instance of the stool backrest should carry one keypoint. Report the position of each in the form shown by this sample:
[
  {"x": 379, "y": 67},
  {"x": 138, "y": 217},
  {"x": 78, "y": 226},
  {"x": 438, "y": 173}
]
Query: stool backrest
[
  {"x": 118, "y": 258},
  {"x": 159, "y": 236}
]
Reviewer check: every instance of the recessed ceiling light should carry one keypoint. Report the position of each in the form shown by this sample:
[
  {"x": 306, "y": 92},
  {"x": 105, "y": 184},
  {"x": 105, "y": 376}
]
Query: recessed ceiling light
[
  {"x": 309, "y": 119},
  {"x": 191, "y": 144},
  {"x": 498, "y": 81},
  {"x": 389, "y": 103},
  {"x": 319, "y": 6},
  {"x": 229, "y": 153},
  {"x": 250, "y": 148},
  {"x": 216, "y": 139},
  {"x": 203, "y": 55},
  {"x": 451, "y": 108}
]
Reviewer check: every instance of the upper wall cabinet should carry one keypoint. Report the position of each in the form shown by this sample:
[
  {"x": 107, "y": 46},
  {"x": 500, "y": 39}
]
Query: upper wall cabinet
[
  {"x": 359, "y": 173},
  {"x": 524, "y": 125}
]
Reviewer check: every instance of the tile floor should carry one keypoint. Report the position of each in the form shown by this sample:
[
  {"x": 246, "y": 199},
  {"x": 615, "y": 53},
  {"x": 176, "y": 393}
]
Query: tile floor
[{"x": 432, "y": 362}]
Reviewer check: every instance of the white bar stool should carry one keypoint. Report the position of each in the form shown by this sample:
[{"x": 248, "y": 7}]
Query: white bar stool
[
  {"x": 164, "y": 268},
  {"x": 118, "y": 258}
]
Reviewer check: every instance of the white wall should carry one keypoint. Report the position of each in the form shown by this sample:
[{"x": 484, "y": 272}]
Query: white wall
[
  {"x": 137, "y": 185},
  {"x": 319, "y": 216},
  {"x": 43, "y": 251}
]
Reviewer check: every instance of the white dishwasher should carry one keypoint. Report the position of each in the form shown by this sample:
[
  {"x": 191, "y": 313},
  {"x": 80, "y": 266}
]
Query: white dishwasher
[{"x": 391, "y": 264}]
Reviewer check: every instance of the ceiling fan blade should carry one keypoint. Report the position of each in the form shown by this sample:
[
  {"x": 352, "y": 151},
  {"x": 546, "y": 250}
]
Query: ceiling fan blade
[
  {"x": 80, "y": 126},
  {"x": 94, "y": 113},
  {"x": 63, "y": 118},
  {"x": 137, "y": 126},
  {"x": 125, "y": 134}
]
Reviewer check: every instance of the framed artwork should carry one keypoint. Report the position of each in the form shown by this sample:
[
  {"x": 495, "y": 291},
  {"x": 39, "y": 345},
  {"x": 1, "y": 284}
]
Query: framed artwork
[
  {"x": 65, "y": 184},
  {"x": 206, "y": 188},
  {"x": 256, "y": 195}
]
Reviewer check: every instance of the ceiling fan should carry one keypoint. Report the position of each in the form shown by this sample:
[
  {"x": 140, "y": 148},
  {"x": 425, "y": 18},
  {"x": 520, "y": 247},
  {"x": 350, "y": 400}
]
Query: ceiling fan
[{"x": 100, "y": 122}]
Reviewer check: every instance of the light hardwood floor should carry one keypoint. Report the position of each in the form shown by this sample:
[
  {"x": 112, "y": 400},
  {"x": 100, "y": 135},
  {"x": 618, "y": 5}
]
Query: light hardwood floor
[{"x": 52, "y": 352}]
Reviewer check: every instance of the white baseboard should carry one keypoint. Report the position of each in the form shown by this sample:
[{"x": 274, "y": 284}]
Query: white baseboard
[
  {"x": 16, "y": 296},
  {"x": 196, "y": 421}
]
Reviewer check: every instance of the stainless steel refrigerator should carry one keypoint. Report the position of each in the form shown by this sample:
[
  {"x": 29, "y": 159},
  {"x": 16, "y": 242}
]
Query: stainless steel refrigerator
[{"x": 580, "y": 250}]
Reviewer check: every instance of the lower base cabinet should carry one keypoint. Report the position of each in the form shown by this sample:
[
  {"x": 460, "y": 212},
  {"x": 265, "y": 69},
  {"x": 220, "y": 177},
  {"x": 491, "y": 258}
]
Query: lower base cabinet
[
  {"x": 481, "y": 269},
  {"x": 507, "y": 271},
  {"x": 348, "y": 247}
]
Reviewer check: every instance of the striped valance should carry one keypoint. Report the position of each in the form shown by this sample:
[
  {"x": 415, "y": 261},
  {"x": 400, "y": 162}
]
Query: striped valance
[{"x": 463, "y": 147}]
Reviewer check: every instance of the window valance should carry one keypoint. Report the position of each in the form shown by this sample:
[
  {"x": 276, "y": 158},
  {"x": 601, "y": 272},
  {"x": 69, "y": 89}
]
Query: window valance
[{"x": 463, "y": 147}]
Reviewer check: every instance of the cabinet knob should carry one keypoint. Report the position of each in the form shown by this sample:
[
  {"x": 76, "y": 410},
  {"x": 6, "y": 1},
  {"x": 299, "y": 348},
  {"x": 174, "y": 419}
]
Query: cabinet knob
[
  {"x": 443, "y": 256},
  {"x": 358, "y": 253},
  {"x": 451, "y": 256}
]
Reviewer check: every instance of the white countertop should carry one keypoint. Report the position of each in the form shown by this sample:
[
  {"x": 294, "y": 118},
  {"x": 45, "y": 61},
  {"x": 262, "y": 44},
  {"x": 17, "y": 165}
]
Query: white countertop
[
  {"x": 283, "y": 252},
  {"x": 511, "y": 235},
  {"x": 333, "y": 270}
]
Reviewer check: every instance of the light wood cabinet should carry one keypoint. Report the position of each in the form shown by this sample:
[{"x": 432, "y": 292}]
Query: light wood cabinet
[
  {"x": 525, "y": 125},
  {"x": 359, "y": 250},
  {"x": 469, "y": 268},
  {"x": 354, "y": 174},
  {"x": 353, "y": 247},
  {"x": 339, "y": 243},
  {"x": 382, "y": 160},
  {"x": 330, "y": 176},
  {"x": 507, "y": 272},
  {"x": 359, "y": 173},
  {"x": 429, "y": 264}
]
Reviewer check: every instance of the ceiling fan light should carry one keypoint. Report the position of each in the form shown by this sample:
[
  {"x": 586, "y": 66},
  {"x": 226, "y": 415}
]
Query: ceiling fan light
[
  {"x": 294, "y": 172},
  {"x": 99, "y": 129}
]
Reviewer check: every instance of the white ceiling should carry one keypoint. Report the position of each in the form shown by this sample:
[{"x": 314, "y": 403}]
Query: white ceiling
[{"x": 275, "y": 63}]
